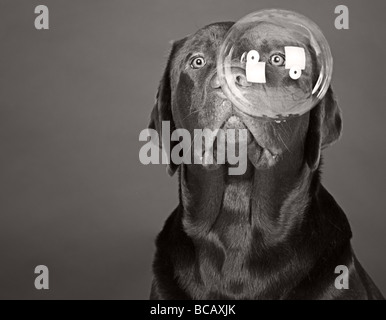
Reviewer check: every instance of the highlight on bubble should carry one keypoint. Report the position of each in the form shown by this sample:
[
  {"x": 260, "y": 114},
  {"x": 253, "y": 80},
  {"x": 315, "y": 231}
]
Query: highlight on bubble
[{"x": 255, "y": 70}]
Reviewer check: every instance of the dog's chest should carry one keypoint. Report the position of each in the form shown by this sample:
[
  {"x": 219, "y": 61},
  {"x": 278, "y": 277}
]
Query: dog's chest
[{"x": 221, "y": 269}]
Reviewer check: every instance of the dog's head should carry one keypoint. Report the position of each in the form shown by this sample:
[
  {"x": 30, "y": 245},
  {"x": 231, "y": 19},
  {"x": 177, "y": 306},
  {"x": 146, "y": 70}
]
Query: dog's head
[{"x": 190, "y": 97}]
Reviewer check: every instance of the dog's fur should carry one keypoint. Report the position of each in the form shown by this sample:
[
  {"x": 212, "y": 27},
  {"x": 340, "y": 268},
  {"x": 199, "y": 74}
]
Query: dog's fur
[{"x": 272, "y": 233}]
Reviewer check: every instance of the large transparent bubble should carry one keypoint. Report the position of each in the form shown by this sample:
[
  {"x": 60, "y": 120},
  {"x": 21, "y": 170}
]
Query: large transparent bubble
[{"x": 275, "y": 64}]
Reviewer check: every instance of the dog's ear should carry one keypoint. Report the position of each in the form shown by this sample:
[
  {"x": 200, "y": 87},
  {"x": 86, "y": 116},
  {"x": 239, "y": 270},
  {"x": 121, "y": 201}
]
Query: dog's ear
[
  {"x": 325, "y": 128},
  {"x": 162, "y": 110}
]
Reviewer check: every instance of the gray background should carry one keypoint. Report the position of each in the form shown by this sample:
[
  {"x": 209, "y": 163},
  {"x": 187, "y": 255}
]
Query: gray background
[{"x": 73, "y": 195}]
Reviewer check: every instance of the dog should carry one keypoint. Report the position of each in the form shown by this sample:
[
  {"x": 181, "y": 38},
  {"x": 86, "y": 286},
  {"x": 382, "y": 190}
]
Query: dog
[{"x": 273, "y": 232}]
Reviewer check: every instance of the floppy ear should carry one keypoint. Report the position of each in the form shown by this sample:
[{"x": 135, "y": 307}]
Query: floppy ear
[
  {"x": 325, "y": 128},
  {"x": 162, "y": 110}
]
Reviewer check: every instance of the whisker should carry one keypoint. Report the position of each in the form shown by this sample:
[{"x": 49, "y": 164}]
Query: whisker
[
  {"x": 281, "y": 139},
  {"x": 192, "y": 142},
  {"x": 190, "y": 114},
  {"x": 277, "y": 133},
  {"x": 283, "y": 126}
]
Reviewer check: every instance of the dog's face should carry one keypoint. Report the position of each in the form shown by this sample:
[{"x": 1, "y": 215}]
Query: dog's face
[{"x": 190, "y": 96}]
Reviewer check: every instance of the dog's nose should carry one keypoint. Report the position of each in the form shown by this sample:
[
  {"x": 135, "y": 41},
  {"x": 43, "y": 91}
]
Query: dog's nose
[
  {"x": 215, "y": 82},
  {"x": 240, "y": 78}
]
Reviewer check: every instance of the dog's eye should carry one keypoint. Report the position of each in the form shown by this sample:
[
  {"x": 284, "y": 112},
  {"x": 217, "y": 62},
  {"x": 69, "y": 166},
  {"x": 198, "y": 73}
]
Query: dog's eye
[
  {"x": 277, "y": 60},
  {"x": 198, "y": 63}
]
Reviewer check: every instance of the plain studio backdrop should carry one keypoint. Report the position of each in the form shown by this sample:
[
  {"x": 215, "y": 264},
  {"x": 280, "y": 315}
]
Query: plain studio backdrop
[{"x": 73, "y": 100}]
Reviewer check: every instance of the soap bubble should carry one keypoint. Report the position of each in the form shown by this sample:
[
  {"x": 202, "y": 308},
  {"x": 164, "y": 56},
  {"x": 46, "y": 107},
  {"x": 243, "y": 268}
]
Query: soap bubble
[{"x": 286, "y": 62}]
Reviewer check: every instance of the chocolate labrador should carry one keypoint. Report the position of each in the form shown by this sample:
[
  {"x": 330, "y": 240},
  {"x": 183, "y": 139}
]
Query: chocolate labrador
[{"x": 273, "y": 232}]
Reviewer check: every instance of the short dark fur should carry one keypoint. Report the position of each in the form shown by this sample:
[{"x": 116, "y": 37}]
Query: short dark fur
[{"x": 272, "y": 233}]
